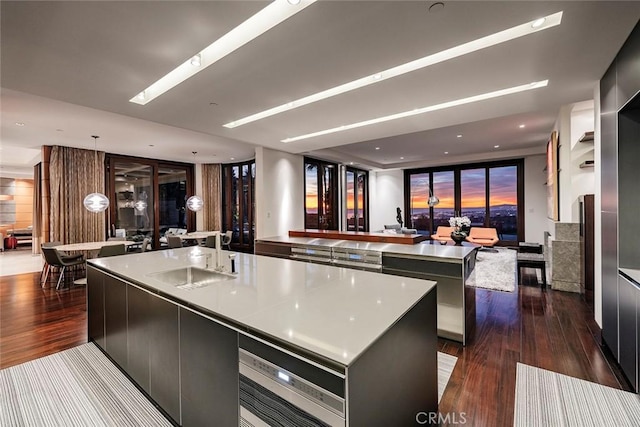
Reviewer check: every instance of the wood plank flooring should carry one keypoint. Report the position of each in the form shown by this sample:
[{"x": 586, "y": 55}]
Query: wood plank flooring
[
  {"x": 551, "y": 330},
  {"x": 36, "y": 322}
]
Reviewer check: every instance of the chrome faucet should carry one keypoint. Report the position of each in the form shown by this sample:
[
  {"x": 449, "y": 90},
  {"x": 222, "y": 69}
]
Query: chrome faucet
[{"x": 219, "y": 266}]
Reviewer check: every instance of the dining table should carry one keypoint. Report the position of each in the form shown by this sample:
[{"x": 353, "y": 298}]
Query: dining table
[
  {"x": 93, "y": 246},
  {"x": 88, "y": 248}
]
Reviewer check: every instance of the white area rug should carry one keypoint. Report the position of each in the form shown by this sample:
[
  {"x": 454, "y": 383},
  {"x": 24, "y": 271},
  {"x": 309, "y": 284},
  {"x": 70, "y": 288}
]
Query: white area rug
[
  {"x": 495, "y": 269},
  {"x": 545, "y": 398}
]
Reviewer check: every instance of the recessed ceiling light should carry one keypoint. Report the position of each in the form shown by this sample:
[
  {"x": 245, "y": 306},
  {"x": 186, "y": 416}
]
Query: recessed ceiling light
[
  {"x": 521, "y": 126},
  {"x": 151, "y": 145},
  {"x": 538, "y": 23},
  {"x": 459, "y": 136},
  {"x": 19, "y": 124},
  {"x": 377, "y": 148},
  {"x": 442, "y": 106},
  {"x": 233, "y": 158},
  {"x": 436, "y": 58},
  {"x": 293, "y": 2},
  {"x": 496, "y": 146},
  {"x": 446, "y": 152},
  {"x": 267, "y": 18},
  {"x": 350, "y": 163},
  {"x": 377, "y": 76},
  {"x": 196, "y": 61},
  {"x": 59, "y": 130},
  {"x": 401, "y": 158}
]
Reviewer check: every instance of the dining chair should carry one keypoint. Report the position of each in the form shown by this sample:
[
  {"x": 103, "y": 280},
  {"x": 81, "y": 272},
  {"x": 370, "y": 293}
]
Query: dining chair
[
  {"x": 174, "y": 242},
  {"x": 46, "y": 267},
  {"x": 54, "y": 259},
  {"x": 112, "y": 250},
  {"x": 145, "y": 244},
  {"x": 210, "y": 242},
  {"x": 226, "y": 239}
]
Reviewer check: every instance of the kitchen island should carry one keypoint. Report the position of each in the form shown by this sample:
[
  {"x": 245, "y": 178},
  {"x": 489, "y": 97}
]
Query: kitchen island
[
  {"x": 448, "y": 265},
  {"x": 360, "y": 347}
]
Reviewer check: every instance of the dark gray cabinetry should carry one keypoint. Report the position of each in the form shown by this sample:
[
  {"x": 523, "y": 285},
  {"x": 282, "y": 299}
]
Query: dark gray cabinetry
[
  {"x": 115, "y": 319},
  {"x": 209, "y": 371},
  {"x": 187, "y": 363},
  {"x": 609, "y": 214},
  {"x": 164, "y": 355},
  {"x": 95, "y": 307},
  {"x": 628, "y": 68},
  {"x": 628, "y": 329},
  {"x": 138, "y": 336}
]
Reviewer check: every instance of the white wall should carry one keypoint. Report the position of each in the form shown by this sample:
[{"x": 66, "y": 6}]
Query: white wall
[
  {"x": 386, "y": 193},
  {"x": 535, "y": 199},
  {"x": 563, "y": 126},
  {"x": 582, "y": 179},
  {"x": 279, "y": 192}
]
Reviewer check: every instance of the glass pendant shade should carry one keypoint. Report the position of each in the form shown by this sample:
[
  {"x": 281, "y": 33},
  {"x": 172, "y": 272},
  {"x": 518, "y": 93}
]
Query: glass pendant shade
[
  {"x": 195, "y": 203},
  {"x": 96, "y": 202},
  {"x": 432, "y": 201},
  {"x": 140, "y": 205}
]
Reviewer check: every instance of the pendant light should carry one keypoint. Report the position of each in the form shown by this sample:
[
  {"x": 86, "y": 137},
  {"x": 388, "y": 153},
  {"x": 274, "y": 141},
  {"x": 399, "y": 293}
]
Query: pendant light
[
  {"x": 432, "y": 200},
  {"x": 195, "y": 203},
  {"x": 95, "y": 202}
]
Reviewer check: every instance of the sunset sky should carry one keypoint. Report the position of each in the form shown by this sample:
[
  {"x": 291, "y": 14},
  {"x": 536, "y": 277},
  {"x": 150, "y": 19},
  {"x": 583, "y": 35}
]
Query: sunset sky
[{"x": 502, "y": 188}]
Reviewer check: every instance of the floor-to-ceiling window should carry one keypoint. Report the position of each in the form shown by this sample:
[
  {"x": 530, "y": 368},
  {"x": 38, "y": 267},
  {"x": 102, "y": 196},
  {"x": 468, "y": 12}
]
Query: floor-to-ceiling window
[
  {"x": 321, "y": 195},
  {"x": 238, "y": 183},
  {"x": 490, "y": 194},
  {"x": 356, "y": 191}
]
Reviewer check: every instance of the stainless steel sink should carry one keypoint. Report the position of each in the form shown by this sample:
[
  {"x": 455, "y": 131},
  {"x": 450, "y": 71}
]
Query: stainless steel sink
[{"x": 190, "y": 277}]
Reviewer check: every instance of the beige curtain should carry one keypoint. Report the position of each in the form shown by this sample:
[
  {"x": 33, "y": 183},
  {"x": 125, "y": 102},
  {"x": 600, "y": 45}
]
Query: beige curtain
[
  {"x": 74, "y": 173},
  {"x": 212, "y": 194},
  {"x": 36, "y": 232}
]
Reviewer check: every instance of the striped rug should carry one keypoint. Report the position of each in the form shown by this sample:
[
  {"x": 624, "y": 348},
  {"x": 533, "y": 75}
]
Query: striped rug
[
  {"x": 82, "y": 387},
  {"x": 545, "y": 398},
  {"x": 76, "y": 387},
  {"x": 446, "y": 363}
]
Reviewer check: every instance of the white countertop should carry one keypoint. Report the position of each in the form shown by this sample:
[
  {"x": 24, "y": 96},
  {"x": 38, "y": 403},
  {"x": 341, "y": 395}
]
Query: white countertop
[
  {"x": 425, "y": 249},
  {"x": 333, "y": 312},
  {"x": 632, "y": 273}
]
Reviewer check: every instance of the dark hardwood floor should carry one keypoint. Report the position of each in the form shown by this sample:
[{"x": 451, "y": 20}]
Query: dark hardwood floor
[
  {"x": 551, "y": 330},
  {"x": 36, "y": 322},
  {"x": 547, "y": 329}
]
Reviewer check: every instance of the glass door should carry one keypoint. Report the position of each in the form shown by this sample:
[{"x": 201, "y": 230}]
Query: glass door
[
  {"x": 357, "y": 211},
  {"x": 321, "y": 195},
  {"x": 238, "y": 182},
  {"x": 133, "y": 211},
  {"x": 172, "y": 197}
]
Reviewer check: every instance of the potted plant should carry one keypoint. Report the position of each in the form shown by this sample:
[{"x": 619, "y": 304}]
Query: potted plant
[{"x": 459, "y": 224}]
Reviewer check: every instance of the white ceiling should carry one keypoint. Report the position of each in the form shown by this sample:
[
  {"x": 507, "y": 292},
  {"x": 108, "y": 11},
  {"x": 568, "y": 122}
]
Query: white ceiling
[{"x": 69, "y": 68}]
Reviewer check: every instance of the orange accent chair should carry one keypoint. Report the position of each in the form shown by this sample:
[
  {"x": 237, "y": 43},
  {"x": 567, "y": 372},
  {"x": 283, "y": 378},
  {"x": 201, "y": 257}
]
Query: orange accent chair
[
  {"x": 443, "y": 234},
  {"x": 485, "y": 236}
]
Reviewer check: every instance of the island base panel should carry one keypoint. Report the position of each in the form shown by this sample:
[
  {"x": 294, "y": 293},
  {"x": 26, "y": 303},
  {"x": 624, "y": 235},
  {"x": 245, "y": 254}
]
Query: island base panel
[{"x": 397, "y": 377}]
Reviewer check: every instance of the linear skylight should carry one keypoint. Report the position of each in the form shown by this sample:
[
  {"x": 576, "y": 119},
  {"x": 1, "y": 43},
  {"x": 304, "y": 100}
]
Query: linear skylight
[
  {"x": 445, "y": 55},
  {"x": 261, "y": 22},
  {"x": 442, "y": 106}
]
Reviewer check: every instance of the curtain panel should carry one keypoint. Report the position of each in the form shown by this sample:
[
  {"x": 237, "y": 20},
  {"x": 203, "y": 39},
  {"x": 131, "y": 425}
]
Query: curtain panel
[
  {"x": 212, "y": 189},
  {"x": 74, "y": 173},
  {"x": 36, "y": 232}
]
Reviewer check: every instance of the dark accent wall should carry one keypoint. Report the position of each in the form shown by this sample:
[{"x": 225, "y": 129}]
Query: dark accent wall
[{"x": 618, "y": 86}]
